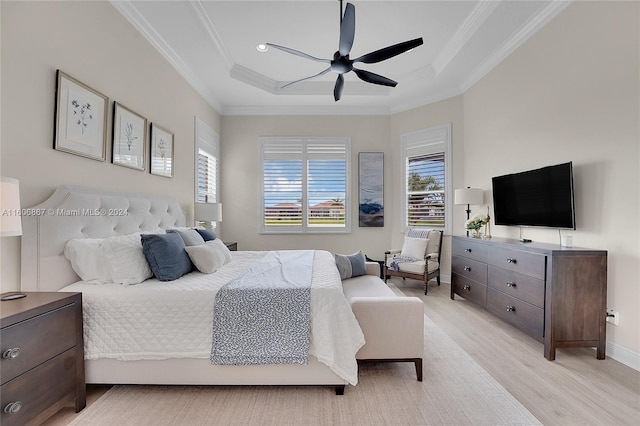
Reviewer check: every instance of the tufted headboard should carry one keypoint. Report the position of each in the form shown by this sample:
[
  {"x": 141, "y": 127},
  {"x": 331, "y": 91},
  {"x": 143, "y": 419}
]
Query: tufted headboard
[{"x": 79, "y": 212}]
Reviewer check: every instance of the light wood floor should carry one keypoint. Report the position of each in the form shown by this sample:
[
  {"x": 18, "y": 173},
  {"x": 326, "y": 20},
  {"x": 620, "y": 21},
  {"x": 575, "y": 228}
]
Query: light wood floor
[{"x": 575, "y": 389}]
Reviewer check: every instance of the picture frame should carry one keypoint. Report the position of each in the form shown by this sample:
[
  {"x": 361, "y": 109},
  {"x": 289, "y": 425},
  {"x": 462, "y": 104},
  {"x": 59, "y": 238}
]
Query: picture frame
[
  {"x": 129, "y": 138},
  {"x": 80, "y": 123},
  {"x": 371, "y": 189},
  {"x": 161, "y": 152}
]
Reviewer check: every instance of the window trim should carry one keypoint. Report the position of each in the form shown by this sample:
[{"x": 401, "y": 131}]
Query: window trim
[
  {"x": 427, "y": 141},
  {"x": 304, "y": 229},
  {"x": 208, "y": 140}
]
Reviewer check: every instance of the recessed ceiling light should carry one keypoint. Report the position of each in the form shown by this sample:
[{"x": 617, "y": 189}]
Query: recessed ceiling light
[{"x": 261, "y": 47}]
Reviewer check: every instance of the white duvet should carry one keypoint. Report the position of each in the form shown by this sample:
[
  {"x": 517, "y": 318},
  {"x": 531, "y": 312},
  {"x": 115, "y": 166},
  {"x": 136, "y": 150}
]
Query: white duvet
[{"x": 174, "y": 319}]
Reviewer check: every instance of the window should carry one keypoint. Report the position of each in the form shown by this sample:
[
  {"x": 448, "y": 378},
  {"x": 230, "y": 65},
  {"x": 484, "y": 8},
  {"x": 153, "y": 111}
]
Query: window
[
  {"x": 426, "y": 184},
  {"x": 207, "y": 173},
  {"x": 304, "y": 185}
]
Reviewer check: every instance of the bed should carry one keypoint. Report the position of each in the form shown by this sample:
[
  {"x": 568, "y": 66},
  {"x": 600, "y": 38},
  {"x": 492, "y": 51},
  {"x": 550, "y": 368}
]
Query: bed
[{"x": 163, "y": 354}]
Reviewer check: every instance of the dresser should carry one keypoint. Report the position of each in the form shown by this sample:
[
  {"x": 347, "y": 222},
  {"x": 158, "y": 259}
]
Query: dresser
[
  {"x": 556, "y": 294},
  {"x": 42, "y": 356}
]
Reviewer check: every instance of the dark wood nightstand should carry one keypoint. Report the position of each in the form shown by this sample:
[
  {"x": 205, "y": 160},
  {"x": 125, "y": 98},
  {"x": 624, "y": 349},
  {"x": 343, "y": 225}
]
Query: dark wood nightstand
[
  {"x": 42, "y": 356},
  {"x": 232, "y": 246}
]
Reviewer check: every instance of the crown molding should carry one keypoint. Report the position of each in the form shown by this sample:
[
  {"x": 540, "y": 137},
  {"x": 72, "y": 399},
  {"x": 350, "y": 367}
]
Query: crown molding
[
  {"x": 211, "y": 31},
  {"x": 306, "y": 110},
  {"x": 465, "y": 32},
  {"x": 131, "y": 14},
  {"x": 549, "y": 11}
]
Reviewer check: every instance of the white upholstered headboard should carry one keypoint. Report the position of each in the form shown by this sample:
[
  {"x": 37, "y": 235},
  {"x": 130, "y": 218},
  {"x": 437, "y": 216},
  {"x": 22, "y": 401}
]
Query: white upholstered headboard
[{"x": 79, "y": 212}]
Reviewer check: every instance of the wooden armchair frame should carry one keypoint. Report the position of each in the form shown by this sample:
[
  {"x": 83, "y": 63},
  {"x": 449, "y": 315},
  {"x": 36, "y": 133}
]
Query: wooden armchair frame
[{"x": 425, "y": 276}]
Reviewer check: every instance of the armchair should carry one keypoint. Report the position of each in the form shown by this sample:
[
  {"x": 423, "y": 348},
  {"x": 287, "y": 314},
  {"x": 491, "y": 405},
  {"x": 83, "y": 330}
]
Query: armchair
[{"x": 418, "y": 259}]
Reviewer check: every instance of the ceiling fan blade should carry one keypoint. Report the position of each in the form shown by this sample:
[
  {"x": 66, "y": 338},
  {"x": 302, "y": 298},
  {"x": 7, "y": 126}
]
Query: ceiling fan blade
[
  {"x": 374, "y": 78},
  {"x": 347, "y": 30},
  {"x": 307, "y": 78},
  {"x": 337, "y": 90},
  {"x": 298, "y": 53},
  {"x": 389, "y": 52}
]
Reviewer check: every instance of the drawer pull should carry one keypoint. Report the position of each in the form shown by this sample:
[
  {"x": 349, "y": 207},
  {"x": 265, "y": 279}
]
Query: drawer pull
[
  {"x": 466, "y": 287},
  {"x": 13, "y": 407},
  {"x": 510, "y": 260},
  {"x": 467, "y": 250},
  {"x": 511, "y": 284},
  {"x": 511, "y": 308},
  {"x": 467, "y": 268},
  {"x": 11, "y": 353}
]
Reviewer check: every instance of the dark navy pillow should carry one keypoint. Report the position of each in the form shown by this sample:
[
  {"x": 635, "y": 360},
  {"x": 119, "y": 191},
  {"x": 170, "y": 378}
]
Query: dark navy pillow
[
  {"x": 206, "y": 234},
  {"x": 166, "y": 255}
]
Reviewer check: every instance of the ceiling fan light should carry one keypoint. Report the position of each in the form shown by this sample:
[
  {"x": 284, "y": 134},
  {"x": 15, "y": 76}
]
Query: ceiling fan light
[{"x": 261, "y": 47}]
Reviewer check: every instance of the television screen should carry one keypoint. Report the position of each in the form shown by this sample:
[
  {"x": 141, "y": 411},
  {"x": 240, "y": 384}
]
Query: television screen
[{"x": 540, "y": 197}]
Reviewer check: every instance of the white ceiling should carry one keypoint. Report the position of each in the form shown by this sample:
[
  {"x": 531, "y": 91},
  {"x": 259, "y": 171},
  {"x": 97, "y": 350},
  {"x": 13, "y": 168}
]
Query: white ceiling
[{"x": 212, "y": 45}]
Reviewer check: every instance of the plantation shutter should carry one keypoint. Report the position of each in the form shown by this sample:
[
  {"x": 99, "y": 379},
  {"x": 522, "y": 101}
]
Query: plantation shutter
[
  {"x": 207, "y": 166},
  {"x": 426, "y": 186},
  {"x": 309, "y": 172}
]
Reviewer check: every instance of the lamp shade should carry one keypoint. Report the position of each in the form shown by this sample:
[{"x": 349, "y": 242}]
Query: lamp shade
[
  {"x": 10, "y": 222},
  {"x": 468, "y": 196},
  {"x": 208, "y": 212}
]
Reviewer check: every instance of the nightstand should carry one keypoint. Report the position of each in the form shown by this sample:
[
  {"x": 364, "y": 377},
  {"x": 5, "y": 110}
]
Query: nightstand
[
  {"x": 42, "y": 356},
  {"x": 232, "y": 246}
]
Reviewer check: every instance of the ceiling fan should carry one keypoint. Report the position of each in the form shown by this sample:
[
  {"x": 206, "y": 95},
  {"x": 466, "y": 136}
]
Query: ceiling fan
[{"x": 342, "y": 64}]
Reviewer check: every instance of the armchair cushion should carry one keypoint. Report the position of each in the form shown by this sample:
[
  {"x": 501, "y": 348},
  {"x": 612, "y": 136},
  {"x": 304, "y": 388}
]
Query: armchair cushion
[{"x": 416, "y": 267}]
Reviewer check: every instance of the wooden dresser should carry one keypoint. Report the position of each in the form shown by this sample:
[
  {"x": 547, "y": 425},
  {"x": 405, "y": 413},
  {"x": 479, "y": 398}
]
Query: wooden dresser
[
  {"x": 556, "y": 294},
  {"x": 42, "y": 363}
]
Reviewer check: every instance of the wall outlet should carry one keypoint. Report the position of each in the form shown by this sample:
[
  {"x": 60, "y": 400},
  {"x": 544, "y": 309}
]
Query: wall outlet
[{"x": 613, "y": 317}]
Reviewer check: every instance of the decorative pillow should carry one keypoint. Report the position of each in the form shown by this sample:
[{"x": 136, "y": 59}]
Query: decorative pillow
[
  {"x": 414, "y": 247},
  {"x": 88, "y": 260},
  {"x": 223, "y": 249},
  {"x": 166, "y": 255},
  {"x": 191, "y": 237},
  {"x": 126, "y": 260},
  {"x": 208, "y": 257},
  {"x": 352, "y": 265},
  {"x": 206, "y": 234}
]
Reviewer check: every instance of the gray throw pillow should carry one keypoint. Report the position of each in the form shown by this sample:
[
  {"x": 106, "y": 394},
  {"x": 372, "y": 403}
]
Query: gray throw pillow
[
  {"x": 352, "y": 265},
  {"x": 166, "y": 255},
  {"x": 191, "y": 237}
]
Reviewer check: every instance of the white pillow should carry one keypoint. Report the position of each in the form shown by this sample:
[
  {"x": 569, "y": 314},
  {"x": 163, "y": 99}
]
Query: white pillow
[
  {"x": 209, "y": 257},
  {"x": 88, "y": 260},
  {"x": 414, "y": 247},
  {"x": 126, "y": 259}
]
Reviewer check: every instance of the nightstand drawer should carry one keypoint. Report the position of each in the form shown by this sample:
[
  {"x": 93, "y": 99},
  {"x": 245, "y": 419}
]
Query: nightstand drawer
[
  {"x": 471, "y": 269},
  {"x": 56, "y": 383},
  {"x": 37, "y": 340}
]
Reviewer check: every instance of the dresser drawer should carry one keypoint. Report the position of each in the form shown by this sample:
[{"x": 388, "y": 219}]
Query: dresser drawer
[
  {"x": 56, "y": 384},
  {"x": 517, "y": 312},
  {"x": 523, "y": 262},
  {"x": 523, "y": 287},
  {"x": 471, "y": 269},
  {"x": 469, "y": 289},
  {"x": 38, "y": 339},
  {"x": 465, "y": 247}
]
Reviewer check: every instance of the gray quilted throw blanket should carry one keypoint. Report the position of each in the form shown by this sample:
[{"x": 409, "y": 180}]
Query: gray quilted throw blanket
[{"x": 263, "y": 316}]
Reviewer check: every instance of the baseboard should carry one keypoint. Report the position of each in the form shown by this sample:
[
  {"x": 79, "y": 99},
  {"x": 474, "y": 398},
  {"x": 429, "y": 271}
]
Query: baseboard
[{"x": 623, "y": 355}]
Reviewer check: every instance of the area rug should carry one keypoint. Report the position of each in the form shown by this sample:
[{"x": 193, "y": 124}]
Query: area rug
[{"x": 455, "y": 391}]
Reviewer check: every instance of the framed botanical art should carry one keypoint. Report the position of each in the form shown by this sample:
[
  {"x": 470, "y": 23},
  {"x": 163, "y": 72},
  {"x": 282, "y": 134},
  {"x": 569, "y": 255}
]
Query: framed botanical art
[
  {"x": 371, "y": 189},
  {"x": 161, "y": 151},
  {"x": 80, "y": 119},
  {"x": 129, "y": 138}
]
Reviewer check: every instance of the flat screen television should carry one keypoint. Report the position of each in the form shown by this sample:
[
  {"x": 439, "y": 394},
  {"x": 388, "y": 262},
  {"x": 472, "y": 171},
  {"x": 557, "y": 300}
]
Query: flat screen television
[{"x": 541, "y": 197}]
